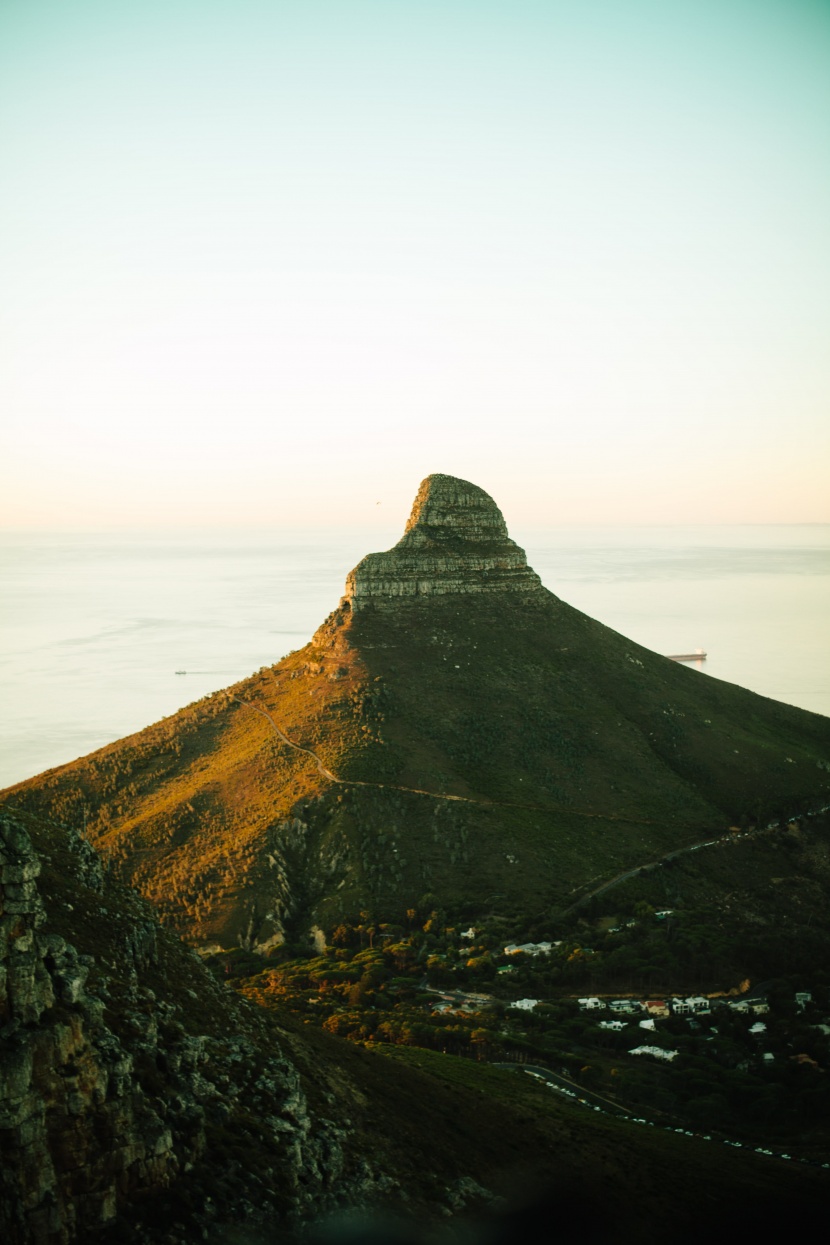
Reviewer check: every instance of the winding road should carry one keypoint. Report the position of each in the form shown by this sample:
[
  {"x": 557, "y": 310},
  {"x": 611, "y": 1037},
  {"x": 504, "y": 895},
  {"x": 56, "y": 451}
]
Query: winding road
[{"x": 571, "y": 1088}]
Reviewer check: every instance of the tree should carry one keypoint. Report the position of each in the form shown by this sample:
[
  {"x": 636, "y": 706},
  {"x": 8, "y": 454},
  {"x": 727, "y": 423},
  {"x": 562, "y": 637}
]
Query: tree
[{"x": 345, "y": 936}]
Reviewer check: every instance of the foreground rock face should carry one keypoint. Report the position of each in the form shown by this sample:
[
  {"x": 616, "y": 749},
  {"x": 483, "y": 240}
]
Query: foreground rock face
[
  {"x": 456, "y": 541},
  {"x": 66, "y": 1080},
  {"x": 108, "y": 1104}
]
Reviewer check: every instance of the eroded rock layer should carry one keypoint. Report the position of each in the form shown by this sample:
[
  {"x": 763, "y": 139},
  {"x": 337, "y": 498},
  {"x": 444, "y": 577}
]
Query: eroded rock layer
[{"x": 456, "y": 541}]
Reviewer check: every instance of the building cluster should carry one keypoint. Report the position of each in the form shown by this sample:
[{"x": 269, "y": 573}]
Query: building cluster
[{"x": 695, "y": 1005}]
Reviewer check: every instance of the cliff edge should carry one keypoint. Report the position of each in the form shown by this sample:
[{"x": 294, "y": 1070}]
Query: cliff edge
[{"x": 456, "y": 541}]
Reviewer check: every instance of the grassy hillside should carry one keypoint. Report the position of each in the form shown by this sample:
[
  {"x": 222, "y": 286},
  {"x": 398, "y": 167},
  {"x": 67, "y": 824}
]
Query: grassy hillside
[{"x": 500, "y": 754}]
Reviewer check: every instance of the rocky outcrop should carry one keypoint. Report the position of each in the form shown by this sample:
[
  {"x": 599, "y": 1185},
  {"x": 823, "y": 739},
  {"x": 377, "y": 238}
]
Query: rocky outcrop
[
  {"x": 77, "y": 1134},
  {"x": 110, "y": 1107},
  {"x": 456, "y": 541}
]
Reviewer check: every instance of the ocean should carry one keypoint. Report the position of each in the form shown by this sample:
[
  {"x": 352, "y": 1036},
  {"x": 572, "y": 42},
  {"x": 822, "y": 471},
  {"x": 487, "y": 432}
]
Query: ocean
[{"x": 94, "y": 627}]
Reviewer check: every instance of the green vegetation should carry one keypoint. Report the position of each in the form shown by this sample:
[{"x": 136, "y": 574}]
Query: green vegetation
[
  {"x": 423, "y": 1121},
  {"x": 573, "y": 755},
  {"x": 433, "y": 983}
]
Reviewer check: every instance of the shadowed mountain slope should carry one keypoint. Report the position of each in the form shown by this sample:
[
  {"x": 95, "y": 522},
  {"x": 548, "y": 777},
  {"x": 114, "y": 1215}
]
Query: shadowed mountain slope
[
  {"x": 452, "y": 728},
  {"x": 142, "y": 1101}
]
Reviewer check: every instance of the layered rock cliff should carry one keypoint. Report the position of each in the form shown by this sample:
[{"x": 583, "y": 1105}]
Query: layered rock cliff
[{"x": 456, "y": 541}]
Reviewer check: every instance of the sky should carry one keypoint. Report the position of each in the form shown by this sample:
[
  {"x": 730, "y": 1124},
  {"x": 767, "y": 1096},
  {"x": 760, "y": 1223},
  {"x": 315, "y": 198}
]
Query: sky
[{"x": 272, "y": 263}]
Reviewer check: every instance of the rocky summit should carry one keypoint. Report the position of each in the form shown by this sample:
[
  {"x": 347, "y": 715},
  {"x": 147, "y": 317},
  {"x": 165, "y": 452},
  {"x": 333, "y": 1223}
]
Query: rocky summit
[
  {"x": 455, "y": 542},
  {"x": 452, "y": 729}
]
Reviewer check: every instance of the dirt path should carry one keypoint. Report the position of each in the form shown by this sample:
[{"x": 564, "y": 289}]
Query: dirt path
[
  {"x": 729, "y": 837},
  {"x": 321, "y": 769},
  {"x": 433, "y": 795}
]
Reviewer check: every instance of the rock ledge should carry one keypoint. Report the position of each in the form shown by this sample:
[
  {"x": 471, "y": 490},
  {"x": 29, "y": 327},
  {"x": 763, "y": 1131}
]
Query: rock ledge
[{"x": 456, "y": 541}]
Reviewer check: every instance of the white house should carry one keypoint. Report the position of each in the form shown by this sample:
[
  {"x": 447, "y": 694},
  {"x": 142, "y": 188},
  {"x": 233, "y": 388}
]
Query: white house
[
  {"x": 624, "y": 1006},
  {"x": 656, "y": 1052},
  {"x": 695, "y": 1005},
  {"x": 529, "y": 948},
  {"x": 524, "y": 1005},
  {"x": 758, "y": 1006},
  {"x": 616, "y": 1025},
  {"x": 590, "y": 1005}
]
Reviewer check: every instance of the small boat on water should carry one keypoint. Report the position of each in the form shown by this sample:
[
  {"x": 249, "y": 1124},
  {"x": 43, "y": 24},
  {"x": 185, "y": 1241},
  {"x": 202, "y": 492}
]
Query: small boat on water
[
  {"x": 697, "y": 655},
  {"x": 181, "y": 672}
]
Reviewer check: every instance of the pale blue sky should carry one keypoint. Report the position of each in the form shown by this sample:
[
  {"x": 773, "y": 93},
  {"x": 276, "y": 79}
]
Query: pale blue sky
[{"x": 275, "y": 262}]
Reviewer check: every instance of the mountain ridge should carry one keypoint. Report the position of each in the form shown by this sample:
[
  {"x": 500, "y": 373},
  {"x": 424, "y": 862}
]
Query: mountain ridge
[{"x": 452, "y": 728}]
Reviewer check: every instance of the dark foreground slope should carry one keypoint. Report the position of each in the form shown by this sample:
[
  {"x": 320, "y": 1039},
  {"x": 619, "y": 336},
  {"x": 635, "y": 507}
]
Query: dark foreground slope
[
  {"x": 469, "y": 735},
  {"x": 141, "y": 1101},
  {"x": 135, "y": 1090}
]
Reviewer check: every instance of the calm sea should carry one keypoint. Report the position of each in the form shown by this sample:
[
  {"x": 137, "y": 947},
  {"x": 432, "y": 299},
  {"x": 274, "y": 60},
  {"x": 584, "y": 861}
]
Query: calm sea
[{"x": 94, "y": 627}]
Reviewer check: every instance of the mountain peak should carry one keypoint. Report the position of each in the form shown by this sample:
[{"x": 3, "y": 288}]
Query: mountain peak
[
  {"x": 449, "y": 507},
  {"x": 455, "y": 542}
]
